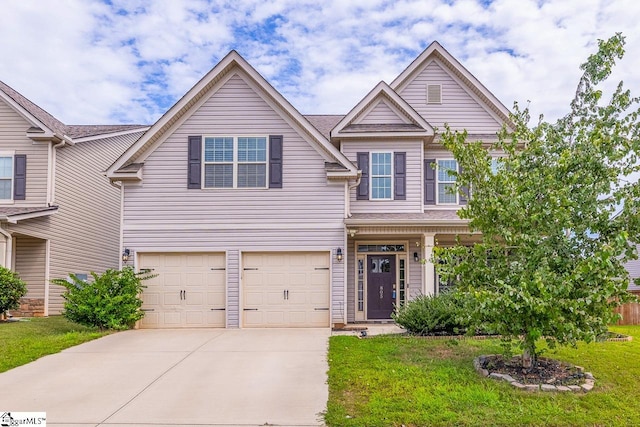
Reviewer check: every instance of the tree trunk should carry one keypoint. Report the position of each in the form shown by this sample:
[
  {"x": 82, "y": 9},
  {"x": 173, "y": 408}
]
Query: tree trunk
[{"x": 529, "y": 352}]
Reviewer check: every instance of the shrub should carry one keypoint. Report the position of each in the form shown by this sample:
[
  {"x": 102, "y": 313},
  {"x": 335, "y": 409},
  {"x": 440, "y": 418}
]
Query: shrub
[
  {"x": 441, "y": 314},
  {"x": 110, "y": 301},
  {"x": 11, "y": 290}
]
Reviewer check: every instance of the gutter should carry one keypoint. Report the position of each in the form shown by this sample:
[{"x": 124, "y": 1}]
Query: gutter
[{"x": 348, "y": 195}]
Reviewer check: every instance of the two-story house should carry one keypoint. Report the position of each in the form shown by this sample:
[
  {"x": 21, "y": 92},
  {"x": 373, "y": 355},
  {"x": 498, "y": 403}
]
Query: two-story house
[
  {"x": 59, "y": 214},
  {"x": 253, "y": 215}
]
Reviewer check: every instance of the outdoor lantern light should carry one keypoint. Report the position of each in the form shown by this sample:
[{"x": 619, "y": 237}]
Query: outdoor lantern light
[
  {"x": 339, "y": 254},
  {"x": 125, "y": 255},
  {"x": 416, "y": 258}
]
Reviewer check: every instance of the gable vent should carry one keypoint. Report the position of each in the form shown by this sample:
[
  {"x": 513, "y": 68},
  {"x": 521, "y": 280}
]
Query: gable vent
[{"x": 434, "y": 94}]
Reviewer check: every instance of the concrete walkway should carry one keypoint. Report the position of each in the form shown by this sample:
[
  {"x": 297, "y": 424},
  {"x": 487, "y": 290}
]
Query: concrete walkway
[{"x": 214, "y": 377}]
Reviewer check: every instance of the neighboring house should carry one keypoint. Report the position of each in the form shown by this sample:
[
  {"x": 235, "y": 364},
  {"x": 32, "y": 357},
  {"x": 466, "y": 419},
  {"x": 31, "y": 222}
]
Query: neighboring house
[
  {"x": 59, "y": 214},
  {"x": 633, "y": 267},
  {"x": 253, "y": 215}
]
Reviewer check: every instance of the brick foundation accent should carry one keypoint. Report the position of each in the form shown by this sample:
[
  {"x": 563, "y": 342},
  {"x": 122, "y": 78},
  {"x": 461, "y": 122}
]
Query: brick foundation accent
[{"x": 29, "y": 307}]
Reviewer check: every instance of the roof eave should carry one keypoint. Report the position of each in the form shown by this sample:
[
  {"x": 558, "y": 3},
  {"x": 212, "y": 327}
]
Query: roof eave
[
  {"x": 404, "y": 222},
  {"x": 13, "y": 219}
]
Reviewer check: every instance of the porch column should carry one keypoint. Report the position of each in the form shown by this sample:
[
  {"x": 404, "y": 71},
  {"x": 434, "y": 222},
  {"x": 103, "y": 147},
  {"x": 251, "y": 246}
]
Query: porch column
[{"x": 429, "y": 283}]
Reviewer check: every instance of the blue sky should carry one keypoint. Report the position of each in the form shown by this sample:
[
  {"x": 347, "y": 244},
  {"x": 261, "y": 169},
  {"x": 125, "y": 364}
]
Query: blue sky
[{"x": 128, "y": 61}]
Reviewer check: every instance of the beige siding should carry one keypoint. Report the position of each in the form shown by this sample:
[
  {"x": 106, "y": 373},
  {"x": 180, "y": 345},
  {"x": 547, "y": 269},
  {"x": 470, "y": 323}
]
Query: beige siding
[
  {"x": 30, "y": 259},
  {"x": 413, "y": 202},
  {"x": 459, "y": 109},
  {"x": 85, "y": 233},
  {"x": 306, "y": 214},
  {"x": 381, "y": 113},
  {"x": 13, "y": 128}
]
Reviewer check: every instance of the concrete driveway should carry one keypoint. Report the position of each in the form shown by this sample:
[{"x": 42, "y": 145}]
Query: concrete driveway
[{"x": 179, "y": 377}]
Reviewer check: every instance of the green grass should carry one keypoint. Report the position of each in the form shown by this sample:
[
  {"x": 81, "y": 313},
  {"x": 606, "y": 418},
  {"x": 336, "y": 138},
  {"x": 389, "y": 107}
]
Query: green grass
[
  {"x": 30, "y": 339},
  {"x": 395, "y": 380}
]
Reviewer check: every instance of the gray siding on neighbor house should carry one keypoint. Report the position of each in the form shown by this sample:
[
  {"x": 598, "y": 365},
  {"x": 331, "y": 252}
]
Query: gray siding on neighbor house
[
  {"x": 13, "y": 128},
  {"x": 458, "y": 108},
  {"x": 381, "y": 113},
  {"x": 161, "y": 214},
  {"x": 30, "y": 259},
  {"x": 85, "y": 232},
  {"x": 413, "y": 202},
  {"x": 633, "y": 267}
]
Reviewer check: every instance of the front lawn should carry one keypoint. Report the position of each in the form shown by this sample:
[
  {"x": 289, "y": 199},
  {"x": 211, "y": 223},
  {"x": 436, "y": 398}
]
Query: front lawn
[
  {"x": 396, "y": 380},
  {"x": 30, "y": 339}
]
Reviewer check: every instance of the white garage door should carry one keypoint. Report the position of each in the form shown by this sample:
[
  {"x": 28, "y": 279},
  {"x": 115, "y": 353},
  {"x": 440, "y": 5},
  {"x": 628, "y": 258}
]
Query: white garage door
[
  {"x": 286, "y": 289},
  {"x": 188, "y": 291}
]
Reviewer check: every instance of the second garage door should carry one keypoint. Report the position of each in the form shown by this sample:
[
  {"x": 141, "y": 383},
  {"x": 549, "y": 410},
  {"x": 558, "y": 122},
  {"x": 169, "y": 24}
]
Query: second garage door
[
  {"x": 286, "y": 289},
  {"x": 187, "y": 292}
]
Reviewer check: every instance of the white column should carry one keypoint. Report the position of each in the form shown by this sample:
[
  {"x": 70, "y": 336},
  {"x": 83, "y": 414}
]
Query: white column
[{"x": 429, "y": 282}]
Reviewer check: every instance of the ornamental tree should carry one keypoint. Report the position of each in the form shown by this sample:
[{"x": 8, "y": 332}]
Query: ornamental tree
[{"x": 558, "y": 217}]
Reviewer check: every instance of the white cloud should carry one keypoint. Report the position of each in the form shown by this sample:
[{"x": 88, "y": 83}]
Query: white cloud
[{"x": 129, "y": 60}]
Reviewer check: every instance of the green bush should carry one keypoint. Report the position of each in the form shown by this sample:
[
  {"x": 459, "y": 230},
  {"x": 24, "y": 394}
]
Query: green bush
[
  {"x": 11, "y": 290},
  {"x": 110, "y": 301},
  {"x": 442, "y": 314}
]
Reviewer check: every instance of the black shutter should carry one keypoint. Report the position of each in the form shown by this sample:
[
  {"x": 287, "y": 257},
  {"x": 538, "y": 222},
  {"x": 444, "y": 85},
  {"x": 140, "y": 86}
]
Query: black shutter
[
  {"x": 363, "y": 165},
  {"x": 275, "y": 161},
  {"x": 194, "y": 170},
  {"x": 400, "y": 176},
  {"x": 20, "y": 177},
  {"x": 464, "y": 194},
  {"x": 429, "y": 182}
]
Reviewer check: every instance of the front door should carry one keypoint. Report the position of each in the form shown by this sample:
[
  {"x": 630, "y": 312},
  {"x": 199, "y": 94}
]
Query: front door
[{"x": 381, "y": 281}]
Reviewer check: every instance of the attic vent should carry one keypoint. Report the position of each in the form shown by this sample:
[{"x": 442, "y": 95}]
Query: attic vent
[{"x": 434, "y": 94}]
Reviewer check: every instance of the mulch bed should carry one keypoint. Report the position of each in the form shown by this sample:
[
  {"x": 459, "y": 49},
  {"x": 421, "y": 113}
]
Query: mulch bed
[{"x": 547, "y": 371}]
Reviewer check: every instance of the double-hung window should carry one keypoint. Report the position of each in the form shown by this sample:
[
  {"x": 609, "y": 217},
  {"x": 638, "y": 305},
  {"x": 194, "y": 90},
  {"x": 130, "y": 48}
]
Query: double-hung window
[
  {"x": 235, "y": 162},
  {"x": 6, "y": 177},
  {"x": 381, "y": 176},
  {"x": 447, "y": 193}
]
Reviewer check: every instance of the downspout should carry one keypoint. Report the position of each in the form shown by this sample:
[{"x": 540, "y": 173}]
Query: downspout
[
  {"x": 52, "y": 192},
  {"x": 348, "y": 196}
]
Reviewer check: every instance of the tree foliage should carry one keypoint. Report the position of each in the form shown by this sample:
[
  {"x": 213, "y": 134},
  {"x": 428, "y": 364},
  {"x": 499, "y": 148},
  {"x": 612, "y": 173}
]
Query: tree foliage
[
  {"x": 110, "y": 301},
  {"x": 550, "y": 263},
  {"x": 11, "y": 290}
]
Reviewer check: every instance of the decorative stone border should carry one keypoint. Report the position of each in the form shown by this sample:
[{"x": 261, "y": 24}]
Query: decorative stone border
[
  {"x": 586, "y": 387},
  {"x": 622, "y": 338}
]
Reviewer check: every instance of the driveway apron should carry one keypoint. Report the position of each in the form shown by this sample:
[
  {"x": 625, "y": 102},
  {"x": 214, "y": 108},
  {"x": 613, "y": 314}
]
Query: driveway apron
[{"x": 217, "y": 377}]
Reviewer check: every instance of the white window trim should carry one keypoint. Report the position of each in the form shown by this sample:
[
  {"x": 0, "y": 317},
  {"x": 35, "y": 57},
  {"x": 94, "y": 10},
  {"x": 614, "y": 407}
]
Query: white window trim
[
  {"x": 235, "y": 162},
  {"x": 13, "y": 175},
  {"x": 438, "y": 202},
  {"x": 381, "y": 176}
]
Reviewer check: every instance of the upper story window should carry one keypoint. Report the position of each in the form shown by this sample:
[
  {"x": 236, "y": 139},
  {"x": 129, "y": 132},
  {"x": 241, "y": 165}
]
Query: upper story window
[
  {"x": 381, "y": 176},
  {"x": 235, "y": 162},
  {"x": 446, "y": 184},
  {"x": 6, "y": 177}
]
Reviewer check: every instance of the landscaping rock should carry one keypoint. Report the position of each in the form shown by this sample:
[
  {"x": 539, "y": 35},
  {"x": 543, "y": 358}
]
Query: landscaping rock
[{"x": 548, "y": 387}]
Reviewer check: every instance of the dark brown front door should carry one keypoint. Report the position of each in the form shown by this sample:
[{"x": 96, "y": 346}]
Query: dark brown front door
[{"x": 381, "y": 279}]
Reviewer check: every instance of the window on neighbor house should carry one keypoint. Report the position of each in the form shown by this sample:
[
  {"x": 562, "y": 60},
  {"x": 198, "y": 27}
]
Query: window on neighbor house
[
  {"x": 446, "y": 182},
  {"x": 235, "y": 162},
  {"x": 6, "y": 177},
  {"x": 381, "y": 176}
]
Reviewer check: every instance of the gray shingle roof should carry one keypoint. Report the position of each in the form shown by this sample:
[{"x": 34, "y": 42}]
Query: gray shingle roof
[
  {"x": 83, "y": 131},
  {"x": 324, "y": 122}
]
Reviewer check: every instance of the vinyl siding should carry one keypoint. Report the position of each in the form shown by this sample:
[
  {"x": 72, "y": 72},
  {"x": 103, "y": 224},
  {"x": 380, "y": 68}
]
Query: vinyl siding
[
  {"x": 381, "y": 113},
  {"x": 233, "y": 291},
  {"x": 413, "y": 202},
  {"x": 305, "y": 215},
  {"x": 13, "y": 128},
  {"x": 30, "y": 262},
  {"x": 459, "y": 109},
  {"x": 633, "y": 267},
  {"x": 85, "y": 232}
]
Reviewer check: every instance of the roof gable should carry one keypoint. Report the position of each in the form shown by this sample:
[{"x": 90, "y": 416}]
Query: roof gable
[
  {"x": 382, "y": 113},
  {"x": 435, "y": 52},
  {"x": 230, "y": 65}
]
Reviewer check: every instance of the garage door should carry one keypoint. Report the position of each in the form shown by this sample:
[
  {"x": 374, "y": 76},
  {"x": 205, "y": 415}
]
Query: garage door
[
  {"x": 188, "y": 291},
  {"x": 286, "y": 289}
]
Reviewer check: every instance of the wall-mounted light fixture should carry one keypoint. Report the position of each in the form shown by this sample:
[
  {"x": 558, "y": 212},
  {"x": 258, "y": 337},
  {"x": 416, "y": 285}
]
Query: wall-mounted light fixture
[
  {"x": 339, "y": 254},
  {"x": 416, "y": 258},
  {"x": 125, "y": 255},
  {"x": 352, "y": 232}
]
